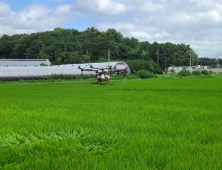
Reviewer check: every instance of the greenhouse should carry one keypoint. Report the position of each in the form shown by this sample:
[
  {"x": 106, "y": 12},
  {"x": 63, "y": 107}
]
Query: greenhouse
[
  {"x": 115, "y": 65},
  {"x": 23, "y": 62},
  {"x": 28, "y": 73}
]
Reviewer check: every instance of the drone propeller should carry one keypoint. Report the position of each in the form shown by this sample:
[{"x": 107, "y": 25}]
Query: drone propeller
[
  {"x": 101, "y": 68},
  {"x": 87, "y": 69}
]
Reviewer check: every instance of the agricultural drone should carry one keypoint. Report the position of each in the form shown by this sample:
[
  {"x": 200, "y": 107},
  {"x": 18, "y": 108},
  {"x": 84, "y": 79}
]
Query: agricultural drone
[{"x": 103, "y": 75}]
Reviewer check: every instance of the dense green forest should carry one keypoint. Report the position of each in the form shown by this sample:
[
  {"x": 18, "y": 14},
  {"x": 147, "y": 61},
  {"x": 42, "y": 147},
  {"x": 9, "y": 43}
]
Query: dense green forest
[
  {"x": 64, "y": 46},
  {"x": 212, "y": 62}
]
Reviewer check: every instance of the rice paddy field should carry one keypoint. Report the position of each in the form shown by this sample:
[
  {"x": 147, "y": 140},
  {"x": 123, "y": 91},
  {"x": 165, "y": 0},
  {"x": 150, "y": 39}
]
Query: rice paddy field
[{"x": 134, "y": 124}]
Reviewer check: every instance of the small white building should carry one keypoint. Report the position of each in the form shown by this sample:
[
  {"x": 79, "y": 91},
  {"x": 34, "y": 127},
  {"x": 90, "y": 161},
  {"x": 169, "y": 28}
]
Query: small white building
[{"x": 177, "y": 69}]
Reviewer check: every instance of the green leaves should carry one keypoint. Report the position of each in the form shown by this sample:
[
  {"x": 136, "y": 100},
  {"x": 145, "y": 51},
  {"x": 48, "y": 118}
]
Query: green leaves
[
  {"x": 150, "y": 65},
  {"x": 145, "y": 55},
  {"x": 20, "y": 47}
]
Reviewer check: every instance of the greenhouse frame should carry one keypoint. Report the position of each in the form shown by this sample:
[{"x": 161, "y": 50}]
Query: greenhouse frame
[
  {"x": 23, "y": 62},
  {"x": 42, "y": 72}
]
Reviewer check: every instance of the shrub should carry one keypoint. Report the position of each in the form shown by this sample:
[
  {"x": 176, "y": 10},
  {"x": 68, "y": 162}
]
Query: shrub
[
  {"x": 184, "y": 73},
  {"x": 172, "y": 71},
  {"x": 43, "y": 64},
  {"x": 118, "y": 76},
  {"x": 211, "y": 72},
  {"x": 69, "y": 76},
  {"x": 149, "y": 65},
  {"x": 145, "y": 74},
  {"x": 205, "y": 72},
  {"x": 196, "y": 73},
  {"x": 88, "y": 76},
  {"x": 131, "y": 76}
]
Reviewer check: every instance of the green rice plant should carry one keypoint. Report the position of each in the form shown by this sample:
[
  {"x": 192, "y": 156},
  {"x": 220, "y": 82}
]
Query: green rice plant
[{"x": 134, "y": 124}]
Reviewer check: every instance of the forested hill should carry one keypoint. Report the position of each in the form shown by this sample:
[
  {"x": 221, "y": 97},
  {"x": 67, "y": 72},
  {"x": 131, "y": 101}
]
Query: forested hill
[{"x": 63, "y": 46}]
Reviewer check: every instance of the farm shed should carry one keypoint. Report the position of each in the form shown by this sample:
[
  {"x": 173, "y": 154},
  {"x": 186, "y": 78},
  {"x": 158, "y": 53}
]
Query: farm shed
[
  {"x": 27, "y": 73},
  {"x": 23, "y": 62}
]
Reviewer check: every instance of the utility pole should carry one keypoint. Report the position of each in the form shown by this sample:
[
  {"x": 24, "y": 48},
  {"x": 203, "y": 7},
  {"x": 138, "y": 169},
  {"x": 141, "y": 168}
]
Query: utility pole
[
  {"x": 190, "y": 61},
  {"x": 157, "y": 58},
  {"x": 165, "y": 66},
  {"x": 217, "y": 61},
  {"x": 89, "y": 59},
  {"x": 109, "y": 62},
  {"x": 109, "y": 58}
]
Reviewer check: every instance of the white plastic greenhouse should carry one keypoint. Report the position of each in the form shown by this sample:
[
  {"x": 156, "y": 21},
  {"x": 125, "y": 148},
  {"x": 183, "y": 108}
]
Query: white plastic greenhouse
[
  {"x": 23, "y": 62},
  {"x": 115, "y": 65},
  {"x": 16, "y": 73}
]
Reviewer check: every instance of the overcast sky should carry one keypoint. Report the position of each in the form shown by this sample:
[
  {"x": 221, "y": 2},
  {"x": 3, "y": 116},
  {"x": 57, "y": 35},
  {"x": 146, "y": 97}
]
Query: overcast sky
[{"x": 194, "y": 22}]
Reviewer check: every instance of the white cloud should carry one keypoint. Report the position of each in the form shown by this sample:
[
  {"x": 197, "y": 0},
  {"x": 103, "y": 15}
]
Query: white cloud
[
  {"x": 197, "y": 23},
  {"x": 194, "y": 22},
  {"x": 151, "y": 7},
  {"x": 141, "y": 35},
  {"x": 4, "y": 9},
  {"x": 101, "y": 8},
  {"x": 35, "y": 18}
]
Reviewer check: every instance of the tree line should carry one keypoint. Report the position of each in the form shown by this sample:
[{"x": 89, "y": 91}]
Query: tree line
[
  {"x": 68, "y": 46},
  {"x": 212, "y": 62}
]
